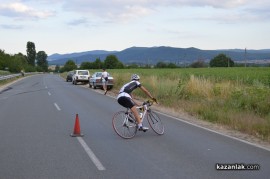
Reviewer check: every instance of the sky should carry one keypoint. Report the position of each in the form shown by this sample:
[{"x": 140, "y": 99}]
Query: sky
[{"x": 59, "y": 26}]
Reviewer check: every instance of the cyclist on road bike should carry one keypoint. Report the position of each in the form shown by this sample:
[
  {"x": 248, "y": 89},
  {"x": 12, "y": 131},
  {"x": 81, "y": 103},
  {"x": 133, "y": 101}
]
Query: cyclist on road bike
[{"x": 125, "y": 98}]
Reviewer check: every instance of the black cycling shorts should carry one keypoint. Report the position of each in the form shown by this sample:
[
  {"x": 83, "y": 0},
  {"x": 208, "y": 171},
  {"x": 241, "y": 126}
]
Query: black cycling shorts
[{"x": 125, "y": 102}]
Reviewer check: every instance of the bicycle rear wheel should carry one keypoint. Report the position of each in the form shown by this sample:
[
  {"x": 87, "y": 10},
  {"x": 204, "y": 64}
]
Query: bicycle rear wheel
[
  {"x": 155, "y": 122},
  {"x": 124, "y": 124}
]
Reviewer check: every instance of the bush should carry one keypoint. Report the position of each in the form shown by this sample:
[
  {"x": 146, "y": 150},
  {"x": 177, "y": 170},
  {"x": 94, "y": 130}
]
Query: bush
[{"x": 221, "y": 61}]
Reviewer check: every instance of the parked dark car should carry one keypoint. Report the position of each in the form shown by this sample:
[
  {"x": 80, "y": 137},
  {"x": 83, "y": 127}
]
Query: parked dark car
[
  {"x": 96, "y": 81},
  {"x": 69, "y": 76}
]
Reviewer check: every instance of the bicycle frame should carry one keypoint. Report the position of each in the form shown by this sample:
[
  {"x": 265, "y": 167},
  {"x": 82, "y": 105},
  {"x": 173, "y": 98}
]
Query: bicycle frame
[{"x": 145, "y": 110}]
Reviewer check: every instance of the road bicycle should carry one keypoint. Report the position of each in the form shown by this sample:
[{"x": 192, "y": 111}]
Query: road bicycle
[{"x": 125, "y": 124}]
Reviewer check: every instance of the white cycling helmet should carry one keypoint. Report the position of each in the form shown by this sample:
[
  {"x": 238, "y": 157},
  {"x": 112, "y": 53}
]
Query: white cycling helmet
[{"x": 135, "y": 77}]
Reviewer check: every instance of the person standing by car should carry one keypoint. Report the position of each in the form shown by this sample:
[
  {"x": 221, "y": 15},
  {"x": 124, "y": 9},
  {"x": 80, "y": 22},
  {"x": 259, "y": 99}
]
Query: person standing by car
[
  {"x": 104, "y": 78},
  {"x": 125, "y": 98}
]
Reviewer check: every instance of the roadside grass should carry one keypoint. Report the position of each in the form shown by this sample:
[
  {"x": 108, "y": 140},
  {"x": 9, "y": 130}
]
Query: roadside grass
[
  {"x": 3, "y": 82},
  {"x": 4, "y": 72},
  {"x": 238, "y": 98}
]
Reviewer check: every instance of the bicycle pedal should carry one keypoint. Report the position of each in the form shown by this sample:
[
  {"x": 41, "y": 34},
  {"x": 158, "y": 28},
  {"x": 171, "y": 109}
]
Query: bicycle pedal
[
  {"x": 141, "y": 129},
  {"x": 130, "y": 120}
]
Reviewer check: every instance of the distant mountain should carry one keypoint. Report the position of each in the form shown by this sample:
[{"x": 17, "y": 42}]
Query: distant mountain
[
  {"x": 57, "y": 56},
  {"x": 152, "y": 55}
]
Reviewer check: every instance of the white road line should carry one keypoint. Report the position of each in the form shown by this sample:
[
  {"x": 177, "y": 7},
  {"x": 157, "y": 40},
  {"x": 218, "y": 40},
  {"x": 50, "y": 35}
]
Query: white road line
[
  {"x": 216, "y": 132},
  {"x": 91, "y": 154},
  {"x": 49, "y": 94},
  {"x": 57, "y": 107}
]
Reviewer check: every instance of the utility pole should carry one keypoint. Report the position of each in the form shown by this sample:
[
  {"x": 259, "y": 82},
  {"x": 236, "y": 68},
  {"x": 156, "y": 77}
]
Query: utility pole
[
  {"x": 185, "y": 60},
  {"x": 245, "y": 57}
]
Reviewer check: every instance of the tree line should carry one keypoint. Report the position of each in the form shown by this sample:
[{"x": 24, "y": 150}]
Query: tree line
[
  {"x": 33, "y": 61},
  {"x": 112, "y": 62},
  {"x": 38, "y": 62}
]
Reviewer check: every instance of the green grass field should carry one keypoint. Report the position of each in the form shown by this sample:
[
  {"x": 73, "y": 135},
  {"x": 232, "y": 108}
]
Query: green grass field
[
  {"x": 238, "y": 98},
  {"x": 241, "y": 75}
]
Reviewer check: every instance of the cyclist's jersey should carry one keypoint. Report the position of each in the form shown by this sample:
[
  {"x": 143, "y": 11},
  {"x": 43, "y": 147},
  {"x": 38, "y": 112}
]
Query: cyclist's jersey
[{"x": 128, "y": 88}]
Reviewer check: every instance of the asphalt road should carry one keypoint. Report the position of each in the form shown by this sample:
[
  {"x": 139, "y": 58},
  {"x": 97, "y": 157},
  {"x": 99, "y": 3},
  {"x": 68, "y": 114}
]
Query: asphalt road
[{"x": 37, "y": 116}]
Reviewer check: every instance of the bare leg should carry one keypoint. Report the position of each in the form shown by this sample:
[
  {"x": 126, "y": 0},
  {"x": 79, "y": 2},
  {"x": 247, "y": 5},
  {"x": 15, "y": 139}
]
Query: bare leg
[
  {"x": 136, "y": 114},
  {"x": 105, "y": 86}
]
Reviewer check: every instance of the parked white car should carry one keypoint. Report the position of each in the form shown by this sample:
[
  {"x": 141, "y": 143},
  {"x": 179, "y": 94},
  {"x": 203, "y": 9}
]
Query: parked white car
[
  {"x": 96, "y": 81},
  {"x": 80, "y": 76}
]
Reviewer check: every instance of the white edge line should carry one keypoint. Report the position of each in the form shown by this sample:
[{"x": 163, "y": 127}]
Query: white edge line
[
  {"x": 210, "y": 130},
  {"x": 57, "y": 107},
  {"x": 91, "y": 154}
]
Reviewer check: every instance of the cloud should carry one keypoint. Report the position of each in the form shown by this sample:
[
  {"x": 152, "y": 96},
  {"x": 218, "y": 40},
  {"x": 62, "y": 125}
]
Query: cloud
[
  {"x": 112, "y": 11},
  {"x": 126, "y": 10},
  {"x": 223, "y": 4},
  {"x": 259, "y": 13},
  {"x": 21, "y": 11},
  {"x": 78, "y": 22},
  {"x": 7, "y": 26}
]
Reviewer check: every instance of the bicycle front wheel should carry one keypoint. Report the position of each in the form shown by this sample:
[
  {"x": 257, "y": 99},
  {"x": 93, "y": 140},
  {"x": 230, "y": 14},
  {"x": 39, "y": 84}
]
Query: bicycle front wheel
[
  {"x": 124, "y": 124},
  {"x": 155, "y": 122}
]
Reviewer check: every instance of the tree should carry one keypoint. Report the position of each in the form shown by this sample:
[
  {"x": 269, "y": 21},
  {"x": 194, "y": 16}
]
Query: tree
[
  {"x": 57, "y": 68},
  {"x": 112, "y": 62},
  {"x": 161, "y": 65},
  {"x": 31, "y": 53},
  {"x": 97, "y": 64},
  {"x": 14, "y": 64},
  {"x": 21, "y": 61},
  {"x": 86, "y": 65},
  {"x": 3, "y": 60},
  {"x": 69, "y": 65},
  {"x": 198, "y": 64},
  {"x": 221, "y": 61},
  {"x": 42, "y": 62},
  {"x": 171, "y": 65}
]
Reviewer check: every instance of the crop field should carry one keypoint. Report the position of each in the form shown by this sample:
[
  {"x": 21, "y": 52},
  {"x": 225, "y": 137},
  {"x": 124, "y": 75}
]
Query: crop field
[{"x": 238, "y": 98}]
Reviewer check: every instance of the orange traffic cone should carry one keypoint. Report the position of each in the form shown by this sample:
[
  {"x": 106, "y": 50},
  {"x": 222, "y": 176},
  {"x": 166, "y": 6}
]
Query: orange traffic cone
[{"x": 77, "y": 130}]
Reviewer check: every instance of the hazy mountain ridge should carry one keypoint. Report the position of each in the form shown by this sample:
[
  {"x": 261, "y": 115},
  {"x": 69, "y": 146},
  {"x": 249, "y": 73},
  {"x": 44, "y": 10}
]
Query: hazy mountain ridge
[
  {"x": 57, "y": 56},
  {"x": 152, "y": 55}
]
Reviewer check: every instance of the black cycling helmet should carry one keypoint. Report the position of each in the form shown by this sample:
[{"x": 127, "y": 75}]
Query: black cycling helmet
[{"x": 135, "y": 77}]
